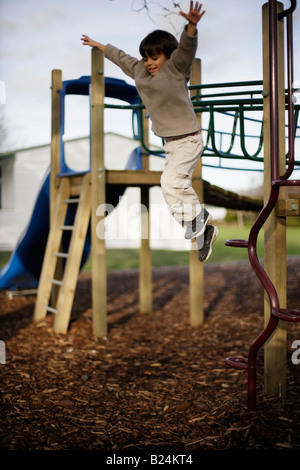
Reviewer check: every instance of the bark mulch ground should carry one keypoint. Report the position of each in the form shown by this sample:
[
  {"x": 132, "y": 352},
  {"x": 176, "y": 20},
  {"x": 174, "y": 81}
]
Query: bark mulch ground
[{"x": 154, "y": 382}]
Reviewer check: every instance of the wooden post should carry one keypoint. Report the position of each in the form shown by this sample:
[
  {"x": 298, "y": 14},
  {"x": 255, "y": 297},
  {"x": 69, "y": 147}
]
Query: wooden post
[
  {"x": 98, "y": 181},
  {"x": 196, "y": 268},
  {"x": 55, "y": 138},
  {"x": 275, "y": 227},
  {"x": 72, "y": 267},
  {"x": 145, "y": 272},
  {"x": 55, "y": 164}
]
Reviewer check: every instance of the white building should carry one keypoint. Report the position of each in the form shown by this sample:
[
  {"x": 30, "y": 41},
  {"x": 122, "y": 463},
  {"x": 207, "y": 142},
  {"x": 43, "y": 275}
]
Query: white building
[{"x": 21, "y": 175}]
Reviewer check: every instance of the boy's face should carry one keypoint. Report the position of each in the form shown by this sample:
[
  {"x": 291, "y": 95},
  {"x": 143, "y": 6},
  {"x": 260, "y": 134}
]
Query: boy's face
[{"x": 154, "y": 64}]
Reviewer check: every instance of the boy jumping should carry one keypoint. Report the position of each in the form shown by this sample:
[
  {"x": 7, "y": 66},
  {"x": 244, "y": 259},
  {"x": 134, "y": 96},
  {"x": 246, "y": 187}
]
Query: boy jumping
[{"x": 161, "y": 78}]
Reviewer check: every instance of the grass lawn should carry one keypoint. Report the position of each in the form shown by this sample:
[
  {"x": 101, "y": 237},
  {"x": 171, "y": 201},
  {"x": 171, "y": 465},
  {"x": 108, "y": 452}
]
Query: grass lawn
[{"x": 129, "y": 258}]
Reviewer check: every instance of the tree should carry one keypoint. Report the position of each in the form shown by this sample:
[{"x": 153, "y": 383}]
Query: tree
[{"x": 168, "y": 9}]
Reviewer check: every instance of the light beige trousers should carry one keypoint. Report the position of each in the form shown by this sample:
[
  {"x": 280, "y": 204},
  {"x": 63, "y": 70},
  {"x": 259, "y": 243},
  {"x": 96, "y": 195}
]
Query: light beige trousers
[{"x": 176, "y": 180}]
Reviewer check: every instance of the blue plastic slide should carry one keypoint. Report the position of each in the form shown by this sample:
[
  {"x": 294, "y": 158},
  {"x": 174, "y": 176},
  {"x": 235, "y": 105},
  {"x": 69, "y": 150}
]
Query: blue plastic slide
[{"x": 24, "y": 267}]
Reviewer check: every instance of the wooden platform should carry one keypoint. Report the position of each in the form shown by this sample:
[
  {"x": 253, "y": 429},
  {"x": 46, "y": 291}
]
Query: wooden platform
[
  {"x": 213, "y": 195},
  {"x": 133, "y": 177},
  {"x": 216, "y": 196}
]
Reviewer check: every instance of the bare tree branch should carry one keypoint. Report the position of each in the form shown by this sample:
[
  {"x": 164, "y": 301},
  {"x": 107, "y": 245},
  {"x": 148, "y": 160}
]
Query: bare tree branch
[{"x": 167, "y": 9}]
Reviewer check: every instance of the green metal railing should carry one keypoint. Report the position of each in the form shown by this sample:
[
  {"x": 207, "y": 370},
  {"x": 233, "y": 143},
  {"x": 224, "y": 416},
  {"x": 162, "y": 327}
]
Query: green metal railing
[{"x": 237, "y": 99}]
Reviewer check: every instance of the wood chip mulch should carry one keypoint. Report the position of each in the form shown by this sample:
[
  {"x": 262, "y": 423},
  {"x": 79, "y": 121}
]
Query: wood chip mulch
[{"x": 154, "y": 382}]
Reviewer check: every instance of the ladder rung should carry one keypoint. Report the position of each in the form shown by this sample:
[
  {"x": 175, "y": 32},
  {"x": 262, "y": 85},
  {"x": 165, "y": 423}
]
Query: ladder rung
[
  {"x": 61, "y": 255},
  {"x": 237, "y": 362},
  {"x": 50, "y": 309},
  {"x": 72, "y": 201},
  {"x": 56, "y": 281},
  {"x": 66, "y": 227},
  {"x": 237, "y": 243},
  {"x": 287, "y": 314}
]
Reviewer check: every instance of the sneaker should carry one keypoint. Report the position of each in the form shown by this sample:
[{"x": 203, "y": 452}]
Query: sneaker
[
  {"x": 198, "y": 225},
  {"x": 210, "y": 235}
]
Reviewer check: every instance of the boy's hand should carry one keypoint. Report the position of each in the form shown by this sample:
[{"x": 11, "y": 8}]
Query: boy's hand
[
  {"x": 86, "y": 41},
  {"x": 195, "y": 14}
]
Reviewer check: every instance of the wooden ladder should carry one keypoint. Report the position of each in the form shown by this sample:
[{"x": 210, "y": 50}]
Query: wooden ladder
[{"x": 68, "y": 279}]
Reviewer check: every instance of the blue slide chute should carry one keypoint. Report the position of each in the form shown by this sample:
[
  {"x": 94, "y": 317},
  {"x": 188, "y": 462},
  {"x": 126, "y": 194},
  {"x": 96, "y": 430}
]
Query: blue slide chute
[{"x": 24, "y": 266}]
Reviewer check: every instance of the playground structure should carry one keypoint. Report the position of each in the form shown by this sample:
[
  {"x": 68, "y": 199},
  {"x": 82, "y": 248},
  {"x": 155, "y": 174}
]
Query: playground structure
[
  {"x": 69, "y": 188},
  {"x": 75, "y": 197},
  {"x": 272, "y": 216}
]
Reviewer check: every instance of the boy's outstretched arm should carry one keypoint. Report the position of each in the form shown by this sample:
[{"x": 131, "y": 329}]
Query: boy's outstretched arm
[
  {"x": 86, "y": 41},
  {"x": 193, "y": 16}
]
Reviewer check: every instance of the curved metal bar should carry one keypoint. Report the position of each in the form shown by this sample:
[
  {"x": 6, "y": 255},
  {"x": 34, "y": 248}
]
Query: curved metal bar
[
  {"x": 252, "y": 356},
  {"x": 270, "y": 290},
  {"x": 242, "y": 136},
  {"x": 263, "y": 277},
  {"x": 212, "y": 133},
  {"x": 288, "y": 10},
  {"x": 276, "y": 182},
  {"x": 290, "y": 80},
  {"x": 274, "y": 89},
  {"x": 286, "y": 183},
  {"x": 226, "y": 154},
  {"x": 233, "y": 133}
]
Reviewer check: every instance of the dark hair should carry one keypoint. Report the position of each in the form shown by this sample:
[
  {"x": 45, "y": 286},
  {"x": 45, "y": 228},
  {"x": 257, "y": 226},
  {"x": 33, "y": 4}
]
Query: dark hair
[{"x": 157, "y": 42}]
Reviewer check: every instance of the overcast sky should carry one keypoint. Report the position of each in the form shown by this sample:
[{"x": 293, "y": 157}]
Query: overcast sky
[{"x": 37, "y": 36}]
